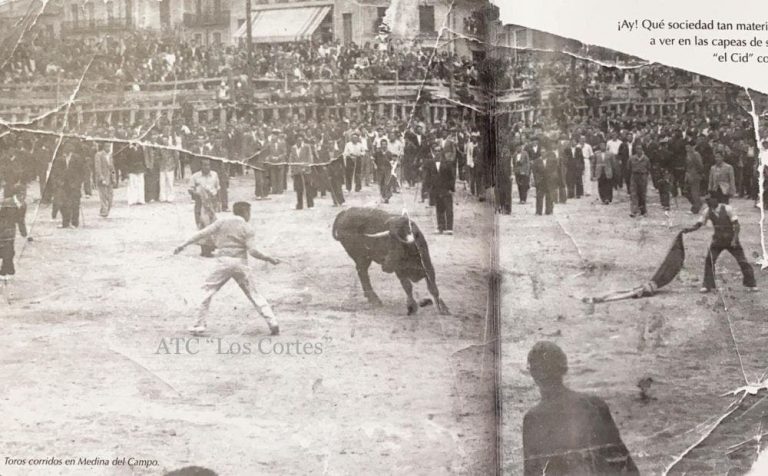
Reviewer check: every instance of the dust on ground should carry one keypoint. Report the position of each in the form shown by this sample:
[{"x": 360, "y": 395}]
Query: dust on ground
[
  {"x": 679, "y": 338},
  {"x": 386, "y": 394}
]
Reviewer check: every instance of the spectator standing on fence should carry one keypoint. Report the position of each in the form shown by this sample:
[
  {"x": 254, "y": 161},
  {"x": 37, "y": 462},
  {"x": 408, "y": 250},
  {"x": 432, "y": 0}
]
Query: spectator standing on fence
[{"x": 105, "y": 178}]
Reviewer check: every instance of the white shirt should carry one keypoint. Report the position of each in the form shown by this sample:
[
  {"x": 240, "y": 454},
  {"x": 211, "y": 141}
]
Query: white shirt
[
  {"x": 354, "y": 150},
  {"x": 469, "y": 151},
  {"x": 586, "y": 151},
  {"x": 613, "y": 146},
  {"x": 396, "y": 147}
]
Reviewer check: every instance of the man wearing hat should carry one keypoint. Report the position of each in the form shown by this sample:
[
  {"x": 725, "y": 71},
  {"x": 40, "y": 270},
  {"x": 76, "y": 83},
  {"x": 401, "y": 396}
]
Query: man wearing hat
[{"x": 569, "y": 432}]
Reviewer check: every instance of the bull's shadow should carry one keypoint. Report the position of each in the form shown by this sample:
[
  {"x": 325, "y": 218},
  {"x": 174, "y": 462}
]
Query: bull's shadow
[{"x": 396, "y": 243}]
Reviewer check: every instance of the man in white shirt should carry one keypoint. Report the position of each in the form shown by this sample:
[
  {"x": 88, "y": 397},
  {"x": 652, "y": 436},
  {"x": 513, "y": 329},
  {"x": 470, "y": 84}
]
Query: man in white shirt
[
  {"x": 613, "y": 144},
  {"x": 354, "y": 152},
  {"x": 235, "y": 240},
  {"x": 588, "y": 153}
]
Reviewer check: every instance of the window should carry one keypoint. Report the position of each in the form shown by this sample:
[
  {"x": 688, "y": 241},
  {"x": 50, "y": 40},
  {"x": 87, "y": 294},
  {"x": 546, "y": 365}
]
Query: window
[
  {"x": 217, "y": 38},
  {"x": 426, "y": 19},
  {"x": 110, "y": 11},
  {"x": 346, "y": 23},
  {"x": 380, "y": 13}
]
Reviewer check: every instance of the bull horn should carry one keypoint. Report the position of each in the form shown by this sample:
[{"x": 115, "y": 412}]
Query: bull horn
[{"x": 381, "y": 234}]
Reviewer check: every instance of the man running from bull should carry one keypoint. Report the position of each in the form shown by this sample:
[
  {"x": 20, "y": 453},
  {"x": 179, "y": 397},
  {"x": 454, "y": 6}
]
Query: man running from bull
[
  {"x": 725, "y": 238},
  {"x": 235, "y": 240}
]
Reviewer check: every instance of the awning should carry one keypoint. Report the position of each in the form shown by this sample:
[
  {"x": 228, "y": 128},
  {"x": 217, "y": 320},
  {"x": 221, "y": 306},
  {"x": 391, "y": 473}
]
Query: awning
[{"x": 284, "y": 24}]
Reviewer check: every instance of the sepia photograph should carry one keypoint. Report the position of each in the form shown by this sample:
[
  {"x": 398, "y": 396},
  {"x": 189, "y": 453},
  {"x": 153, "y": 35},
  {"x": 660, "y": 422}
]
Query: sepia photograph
[
  {"x": 246, "y": 237},
  {"x": 631, "y": 243}
]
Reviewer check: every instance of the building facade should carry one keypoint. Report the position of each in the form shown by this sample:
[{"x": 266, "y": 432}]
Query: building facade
[
  {"x": 460, "y": 26},
  {"x": 461, "y": 29}
]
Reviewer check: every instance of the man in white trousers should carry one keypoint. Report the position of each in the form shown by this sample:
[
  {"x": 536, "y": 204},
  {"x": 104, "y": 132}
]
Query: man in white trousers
[
  {"x": 588, "y": 153},
  {"x": 235, "y": 241}
]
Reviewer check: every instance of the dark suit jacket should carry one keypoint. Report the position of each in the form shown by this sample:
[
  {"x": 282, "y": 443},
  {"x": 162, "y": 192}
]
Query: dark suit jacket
[
  {"x": 443, "y": 181},
  {"x": 69, "y": 179},
  {"x": 413, "y": 150},
  {"x": 533, "y": 155},
  {"x": 522, "y": 165},
  {"x": 546, "y": 177},
  {"x": 574, "y": 163}
]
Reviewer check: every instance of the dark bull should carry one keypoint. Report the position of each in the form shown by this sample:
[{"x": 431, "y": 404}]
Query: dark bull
[{"x": 372, "y": 235}]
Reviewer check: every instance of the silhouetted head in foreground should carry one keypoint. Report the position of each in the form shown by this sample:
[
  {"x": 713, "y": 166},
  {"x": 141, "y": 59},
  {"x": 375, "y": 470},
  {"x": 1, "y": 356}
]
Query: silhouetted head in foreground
[{"x": 548, "y": 364}]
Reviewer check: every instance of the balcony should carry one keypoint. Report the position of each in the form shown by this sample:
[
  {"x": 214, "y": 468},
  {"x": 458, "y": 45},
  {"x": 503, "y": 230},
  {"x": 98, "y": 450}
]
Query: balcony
[
  {"x": 95, "y": 26},
  {"x": 208, "y": 19}
]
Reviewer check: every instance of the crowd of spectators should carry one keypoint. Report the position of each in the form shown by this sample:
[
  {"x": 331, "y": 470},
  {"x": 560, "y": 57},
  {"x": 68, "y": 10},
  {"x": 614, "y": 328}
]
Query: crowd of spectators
[{"x": 143, "y": 57}]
